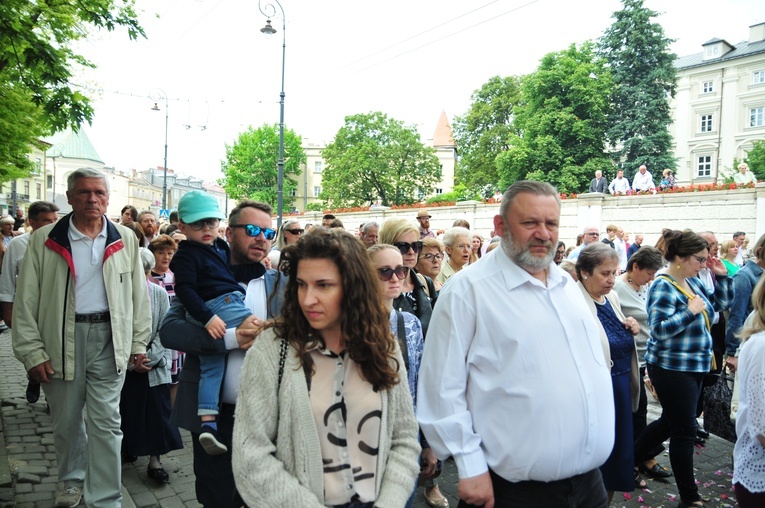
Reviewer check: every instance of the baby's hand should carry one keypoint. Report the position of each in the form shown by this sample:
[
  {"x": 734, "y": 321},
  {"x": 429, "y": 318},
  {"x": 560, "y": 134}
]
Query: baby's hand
[{"x": 216, "y": 328}]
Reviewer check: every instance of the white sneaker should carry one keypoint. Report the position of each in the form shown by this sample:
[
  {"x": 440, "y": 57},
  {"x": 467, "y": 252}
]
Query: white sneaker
[{"x": 70, "y": 497}]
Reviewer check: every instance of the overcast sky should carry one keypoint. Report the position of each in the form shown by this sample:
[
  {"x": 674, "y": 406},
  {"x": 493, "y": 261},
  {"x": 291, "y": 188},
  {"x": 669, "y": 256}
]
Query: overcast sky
[{"x": 410, "y": 59}]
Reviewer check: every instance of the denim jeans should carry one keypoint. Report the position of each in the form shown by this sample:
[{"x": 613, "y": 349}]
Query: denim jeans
[
  {"x": 679, "y": 393},
  {"x": 231, "y": 309}
]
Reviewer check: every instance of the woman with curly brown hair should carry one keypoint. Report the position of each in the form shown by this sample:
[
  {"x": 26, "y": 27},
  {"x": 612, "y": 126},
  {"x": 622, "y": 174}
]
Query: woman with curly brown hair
[{"x": 325, "y": 416}]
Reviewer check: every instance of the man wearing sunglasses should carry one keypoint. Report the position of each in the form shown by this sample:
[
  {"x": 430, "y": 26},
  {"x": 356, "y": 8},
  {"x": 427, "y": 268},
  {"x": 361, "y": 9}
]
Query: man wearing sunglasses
[{"x": 249, "y": 236}]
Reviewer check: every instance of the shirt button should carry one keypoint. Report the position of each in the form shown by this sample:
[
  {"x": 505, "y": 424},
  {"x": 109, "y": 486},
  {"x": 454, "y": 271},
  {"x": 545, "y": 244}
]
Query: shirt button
[
  {"x": 350, "y": 486},
  {"x": 337, "y": 393}
]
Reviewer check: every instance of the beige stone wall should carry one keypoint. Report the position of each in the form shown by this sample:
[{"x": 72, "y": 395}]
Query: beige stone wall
[{"x": 722, "y": 212}]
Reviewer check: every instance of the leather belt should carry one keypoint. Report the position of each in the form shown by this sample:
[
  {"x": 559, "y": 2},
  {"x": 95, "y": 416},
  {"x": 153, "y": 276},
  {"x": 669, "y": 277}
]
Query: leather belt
[{"x": 96, "y": 317}]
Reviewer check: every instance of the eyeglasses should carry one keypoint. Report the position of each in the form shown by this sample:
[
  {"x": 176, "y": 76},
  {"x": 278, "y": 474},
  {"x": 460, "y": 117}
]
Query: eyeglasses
[
  {"x": 433, "y": 257},
  {"x": 386, "y": 274},
  {"x": 593, "y": 234},
  {"x": 253, "y": 230},
  {"x": 405, "y": 246},
  {"x": 700, "y": 259},
  {"x": 295, "y": 231},
  {"x": 210, "y": 223}
]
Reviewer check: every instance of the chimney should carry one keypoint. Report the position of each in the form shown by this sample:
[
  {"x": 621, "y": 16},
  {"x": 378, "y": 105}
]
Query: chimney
[{"x": 756, "y": 33}]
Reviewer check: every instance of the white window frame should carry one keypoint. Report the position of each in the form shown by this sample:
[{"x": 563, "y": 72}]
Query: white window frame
[
  {"x": 706, "y": 124},
  {"x": 439, "y": 191},
  {"x": 707, "y": 87},
  {"x": 704, "y": 166},
  {"x": 757, "y": 116},
  {"x": 758, "y": 77},
  {"x": 316, "y": 190},
  {"x": 318, "y": 166}
]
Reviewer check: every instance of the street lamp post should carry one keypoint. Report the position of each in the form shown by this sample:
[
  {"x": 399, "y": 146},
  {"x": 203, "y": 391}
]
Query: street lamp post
[
  {"x": 268, "y": 10},
  {"x": 163, "y": 95}
]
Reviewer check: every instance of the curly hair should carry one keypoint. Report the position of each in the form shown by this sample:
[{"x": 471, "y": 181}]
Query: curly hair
[
  {"x": 364, "y": 322},
  {"x": 163, "y": 242}
]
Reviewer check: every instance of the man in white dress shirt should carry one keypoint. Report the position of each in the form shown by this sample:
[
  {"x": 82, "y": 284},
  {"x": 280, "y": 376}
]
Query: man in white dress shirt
[
  {"x": 518, "y": 388},
  {"x": 643, "y": 181}
]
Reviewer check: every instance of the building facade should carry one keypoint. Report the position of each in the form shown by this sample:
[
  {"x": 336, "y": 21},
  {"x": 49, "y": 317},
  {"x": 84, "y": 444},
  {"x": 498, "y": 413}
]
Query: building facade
[{"x": 719, "y": 109}]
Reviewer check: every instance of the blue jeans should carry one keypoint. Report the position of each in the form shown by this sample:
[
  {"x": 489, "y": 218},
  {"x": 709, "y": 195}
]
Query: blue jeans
[{"x": 231, "y": 309}]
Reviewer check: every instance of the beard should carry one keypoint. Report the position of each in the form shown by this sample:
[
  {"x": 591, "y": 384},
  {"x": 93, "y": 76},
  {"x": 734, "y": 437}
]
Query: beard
[{"x": 522, "y": 256}]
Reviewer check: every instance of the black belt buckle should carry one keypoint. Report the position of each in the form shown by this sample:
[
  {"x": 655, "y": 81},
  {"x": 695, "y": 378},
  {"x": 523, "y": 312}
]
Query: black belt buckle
[{"x": 96, "y": 317}]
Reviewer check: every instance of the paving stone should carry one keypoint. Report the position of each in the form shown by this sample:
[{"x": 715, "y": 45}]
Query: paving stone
[
  {"x": 144, "y": 499},
  {"x": 25, "y": 477},
  {"x": 33, "y": 497}
]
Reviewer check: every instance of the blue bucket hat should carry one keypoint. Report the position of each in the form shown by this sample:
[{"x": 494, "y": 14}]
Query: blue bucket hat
[{"x": 198, "y": 205}]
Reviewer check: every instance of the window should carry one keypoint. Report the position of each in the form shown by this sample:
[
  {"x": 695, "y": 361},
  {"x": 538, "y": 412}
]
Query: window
[
  {"x": 38, "y": 166},
  {"x": 317, "y": 166},
  {"x": 704, "y": 166},
  {"x": 706, "y": 123},
  {"x": 439, "y": 191},
  {"x": 707, "y": 87},
  {"x": 49, "y": 182},
  {"x": 316, "y": 191},
  {"x": 293, "y": 193},
  {"x": 38, "y": 189},
  {"x": 26, "y": 188},
  {"x": 758, "y": 77},
  {"x": 757, "y": 117}
]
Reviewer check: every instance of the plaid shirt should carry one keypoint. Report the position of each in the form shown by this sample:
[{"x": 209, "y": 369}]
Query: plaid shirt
[{"x": 679, "y": 339}]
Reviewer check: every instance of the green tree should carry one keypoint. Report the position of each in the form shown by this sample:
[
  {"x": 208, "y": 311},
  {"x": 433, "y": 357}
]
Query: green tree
[
  {"x": 561, "y": 122},
  {"x": 37, "y": 61},
  {"x": 375, "y": 157},
  {"x": 756, "y": 160},
  {"x": 645, "y": 78},
  {"x": 250, "y": 168},
  {"x": 483, "y": 132}
]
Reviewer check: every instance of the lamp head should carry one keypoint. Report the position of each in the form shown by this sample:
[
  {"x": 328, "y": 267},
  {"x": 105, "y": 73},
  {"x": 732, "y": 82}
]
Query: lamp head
[{"x": 268, "y": 29}]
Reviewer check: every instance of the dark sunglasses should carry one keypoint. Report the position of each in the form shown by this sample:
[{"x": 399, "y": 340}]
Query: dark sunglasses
[
  {"x": 210, "y": 223},
  {"x": 253, "y": 230},
  {"x": 386, "y": 274},
  {"x": 295, "y": 231},
  {"x": 404, "y": 247}
]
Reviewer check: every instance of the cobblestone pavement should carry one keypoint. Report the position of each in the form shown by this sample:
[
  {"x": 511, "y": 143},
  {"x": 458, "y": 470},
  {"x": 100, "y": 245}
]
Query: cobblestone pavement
[{"x": 28, "y": 464}]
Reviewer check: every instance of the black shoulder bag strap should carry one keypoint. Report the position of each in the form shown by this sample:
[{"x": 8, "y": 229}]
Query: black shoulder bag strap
[
  {"x": 401, "y": 332},
  {"x": 282, "y": 360}
]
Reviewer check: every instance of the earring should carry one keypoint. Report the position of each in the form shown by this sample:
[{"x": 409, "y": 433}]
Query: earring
[
  {"x": 585, "y": 277},
  {"x": 678, "y": 266}
]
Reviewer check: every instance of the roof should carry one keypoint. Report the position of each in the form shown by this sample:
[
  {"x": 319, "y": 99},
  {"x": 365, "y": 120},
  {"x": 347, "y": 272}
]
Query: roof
[
  {"x": 443, "y": 135},
  {"x": 72, "y": 145},
  {"x": 740, "y": 50}
]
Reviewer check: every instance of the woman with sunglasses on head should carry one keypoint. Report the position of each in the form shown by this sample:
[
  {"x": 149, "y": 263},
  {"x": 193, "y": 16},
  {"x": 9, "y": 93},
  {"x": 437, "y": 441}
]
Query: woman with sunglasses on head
[
  {"x": 459, "y": 246},
  {"x": 418, "y": 296},
  {"x": 325, "y": 416},
  {"x": 213, "y": 298},
  {"x": 679, "y": 350}
]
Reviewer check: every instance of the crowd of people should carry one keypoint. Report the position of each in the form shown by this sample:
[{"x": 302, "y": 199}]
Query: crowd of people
[{"x": 315, "y": 366}]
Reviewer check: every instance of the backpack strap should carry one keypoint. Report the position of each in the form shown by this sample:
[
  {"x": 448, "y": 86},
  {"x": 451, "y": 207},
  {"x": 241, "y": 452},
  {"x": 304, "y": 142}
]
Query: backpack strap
[{"x": 401, "y": 332}]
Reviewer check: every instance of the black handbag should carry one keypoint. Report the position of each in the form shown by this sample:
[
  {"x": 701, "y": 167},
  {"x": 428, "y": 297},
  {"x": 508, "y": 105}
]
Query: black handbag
[{"x": 717, "y": 399}]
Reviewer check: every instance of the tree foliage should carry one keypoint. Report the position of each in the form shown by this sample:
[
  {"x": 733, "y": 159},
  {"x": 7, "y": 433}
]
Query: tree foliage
[
  {"x": 36, "y": 63},
  {"x": 561, "y": 122},
  {"x": 250, "y": 169},
  {"x": 374, "y": 157},
  {"x": 645, "y": 78},
  {"x": 756, "y": 160},
  {"x": 483, "y": 132}
]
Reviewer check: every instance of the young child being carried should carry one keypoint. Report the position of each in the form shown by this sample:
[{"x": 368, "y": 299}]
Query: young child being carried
[{"x": 212, "y": 297}]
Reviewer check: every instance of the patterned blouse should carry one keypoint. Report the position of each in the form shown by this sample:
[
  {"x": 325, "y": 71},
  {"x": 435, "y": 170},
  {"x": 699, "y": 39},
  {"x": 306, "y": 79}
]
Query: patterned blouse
[{"x": 347, "y": 412}]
